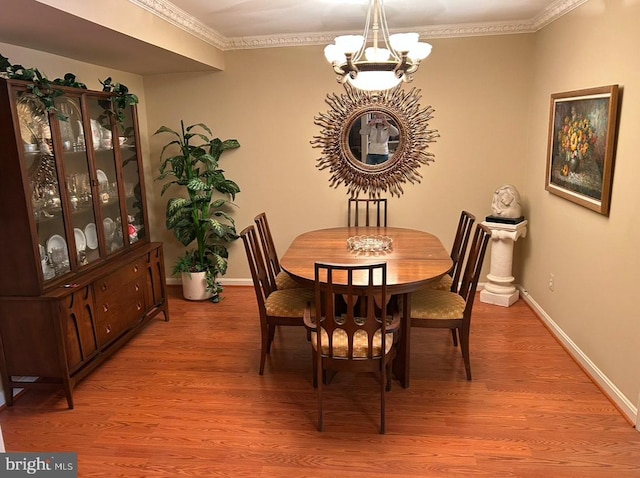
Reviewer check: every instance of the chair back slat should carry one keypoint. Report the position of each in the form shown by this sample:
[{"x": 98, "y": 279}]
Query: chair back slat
[
  {"x": 473, "y": 266},
  {"x": 350, "y": 310},
  {"x": 459, "y": 248},
  {"x": 261, "y": 281},
  {"x": 268, "y": 246},
  {"x": 367, "y": 212}
]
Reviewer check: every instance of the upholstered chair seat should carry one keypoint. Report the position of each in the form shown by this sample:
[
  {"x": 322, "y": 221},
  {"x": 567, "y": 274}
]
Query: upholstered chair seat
[
  {"x": 444, "y": 283},
  {"x": 285, "y": 281},
  {"x": 436, "y": 304},
  {"x": 288, "y": 302}
]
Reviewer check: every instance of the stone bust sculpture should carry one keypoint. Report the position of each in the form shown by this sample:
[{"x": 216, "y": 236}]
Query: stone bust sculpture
[{"x": 506, "y": 202}]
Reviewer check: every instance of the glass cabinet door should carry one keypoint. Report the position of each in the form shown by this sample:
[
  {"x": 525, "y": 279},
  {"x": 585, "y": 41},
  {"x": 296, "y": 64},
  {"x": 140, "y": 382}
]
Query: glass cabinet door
[
  {"x": 131, "y": 177},
  {"x": 78, "y": 181},
  {"x": 102, "y": 143},
  {"x": 40, "y": 164}
]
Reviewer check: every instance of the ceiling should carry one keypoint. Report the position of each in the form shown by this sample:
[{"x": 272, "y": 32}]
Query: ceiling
[
  {"x": 55, "y": 26},
  {"x": 248, "y": 18}
]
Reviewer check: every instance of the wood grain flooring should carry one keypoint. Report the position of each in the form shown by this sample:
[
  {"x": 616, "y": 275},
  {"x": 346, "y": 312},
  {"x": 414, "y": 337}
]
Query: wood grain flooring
[{"x": 184, "y": 398}]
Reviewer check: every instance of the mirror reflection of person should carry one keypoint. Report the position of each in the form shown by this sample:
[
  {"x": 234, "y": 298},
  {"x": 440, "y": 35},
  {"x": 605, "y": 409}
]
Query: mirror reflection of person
[{"x": 379, "y": 130}]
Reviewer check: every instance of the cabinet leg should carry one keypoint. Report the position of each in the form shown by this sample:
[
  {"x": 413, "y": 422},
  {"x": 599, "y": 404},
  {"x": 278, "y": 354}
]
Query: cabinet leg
[
  {"x": 68, "y": 394},
  {"x": 8, "y": 396}
]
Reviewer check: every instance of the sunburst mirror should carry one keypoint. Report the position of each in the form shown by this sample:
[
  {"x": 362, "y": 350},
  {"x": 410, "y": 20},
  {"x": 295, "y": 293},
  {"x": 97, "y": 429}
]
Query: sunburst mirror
[{"x": 345, "y": 140}]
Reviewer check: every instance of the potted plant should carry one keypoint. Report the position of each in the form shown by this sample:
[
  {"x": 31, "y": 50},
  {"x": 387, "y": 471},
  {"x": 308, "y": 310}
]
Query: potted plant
[{"x": 200, "y": 215}]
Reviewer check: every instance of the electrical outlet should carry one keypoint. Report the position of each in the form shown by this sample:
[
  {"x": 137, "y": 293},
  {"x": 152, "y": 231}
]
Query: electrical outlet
[{"x": 551, "y": 281}]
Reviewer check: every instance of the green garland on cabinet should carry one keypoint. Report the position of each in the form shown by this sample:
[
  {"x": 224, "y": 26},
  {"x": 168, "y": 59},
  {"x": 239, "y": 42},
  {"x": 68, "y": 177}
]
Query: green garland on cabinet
[{"x": 45, "y": 90}]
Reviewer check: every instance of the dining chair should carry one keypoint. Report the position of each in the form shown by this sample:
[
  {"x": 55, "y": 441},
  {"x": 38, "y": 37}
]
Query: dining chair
[
  {"x": 281, "y": 278},
  {"x": 355, "y": 334},
  {"x": 451, "y": 280},
  {"x": 445, "y": 309},
  {"x": 371, "y": 212},
  {"x": 276, "y": 307}
]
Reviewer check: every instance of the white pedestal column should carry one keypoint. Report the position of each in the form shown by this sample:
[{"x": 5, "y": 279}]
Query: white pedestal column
[{"x": 499, "y": 289}]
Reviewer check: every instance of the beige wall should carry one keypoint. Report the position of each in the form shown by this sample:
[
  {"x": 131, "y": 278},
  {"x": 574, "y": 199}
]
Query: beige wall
[
  {"x": 595, "y": 259},
  {"x": 491, "y": 96},
  {"x": 478, "y": 87}
]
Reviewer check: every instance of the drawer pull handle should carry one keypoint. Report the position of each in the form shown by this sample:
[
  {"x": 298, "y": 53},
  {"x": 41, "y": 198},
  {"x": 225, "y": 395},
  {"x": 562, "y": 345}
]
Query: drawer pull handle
[
  {"x": 108, "y": 329},
  {"x": 105, "y": 307},
  {"x": 137, "y": 287},
  {"x": 139, "y": 306},
  {"x": 104, "y": 286},
  {"x": 135, "y": 268}
]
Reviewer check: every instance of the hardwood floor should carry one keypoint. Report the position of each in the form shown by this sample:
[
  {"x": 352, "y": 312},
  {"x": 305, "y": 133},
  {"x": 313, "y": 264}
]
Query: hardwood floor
[{"x": 184, "y": 398}]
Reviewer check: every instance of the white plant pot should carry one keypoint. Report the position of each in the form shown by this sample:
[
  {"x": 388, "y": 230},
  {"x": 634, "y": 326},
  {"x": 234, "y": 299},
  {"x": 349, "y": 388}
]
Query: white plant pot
[{"x": 194, "y": 286}]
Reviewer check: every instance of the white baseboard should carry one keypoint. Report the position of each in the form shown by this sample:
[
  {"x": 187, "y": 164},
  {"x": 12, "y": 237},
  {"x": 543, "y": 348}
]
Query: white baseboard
[
  {"x": 612, "y": 392},
  {"x": 249, "y": 282}
]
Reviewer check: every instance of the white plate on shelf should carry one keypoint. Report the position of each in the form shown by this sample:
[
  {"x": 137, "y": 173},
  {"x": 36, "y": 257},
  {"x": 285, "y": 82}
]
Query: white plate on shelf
[
  {"x": 91, "y": 235},
  {"x": 56, "y": 242},
  {"x": 81, "y": 240},
  {"x": 102, "y": 178}
]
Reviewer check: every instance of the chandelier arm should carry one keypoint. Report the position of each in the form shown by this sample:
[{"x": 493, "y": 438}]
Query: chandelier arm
[
  {"x": 365, "y": 34},
  {"x": 404, "y": 67},
  {"x": 385, "y": 31},
  {"x": 350, "y": 67}
]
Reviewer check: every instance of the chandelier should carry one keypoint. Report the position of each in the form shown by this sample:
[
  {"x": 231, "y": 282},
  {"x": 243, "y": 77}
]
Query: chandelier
[{"x": 376, "y": 60}]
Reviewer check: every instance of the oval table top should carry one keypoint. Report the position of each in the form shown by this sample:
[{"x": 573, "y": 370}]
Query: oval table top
[{"x": 415, "y": 259}]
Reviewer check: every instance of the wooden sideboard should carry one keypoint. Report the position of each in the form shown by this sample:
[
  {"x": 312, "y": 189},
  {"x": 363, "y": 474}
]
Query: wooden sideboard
[
  {"x": 80, "y": 275},
  {"x": 63, "y": 335}
]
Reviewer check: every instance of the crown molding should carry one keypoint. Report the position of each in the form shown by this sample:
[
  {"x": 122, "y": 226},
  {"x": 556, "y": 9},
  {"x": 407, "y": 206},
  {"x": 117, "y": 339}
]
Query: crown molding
[
  {"x": 181, "y": 19},
  {"x": 168, "y": 12},
  {"x": 555, "y": 11}
]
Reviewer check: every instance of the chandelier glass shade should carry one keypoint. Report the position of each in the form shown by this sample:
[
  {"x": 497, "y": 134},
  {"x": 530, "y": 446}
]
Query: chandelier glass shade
[{"x": 376, "y": 60}]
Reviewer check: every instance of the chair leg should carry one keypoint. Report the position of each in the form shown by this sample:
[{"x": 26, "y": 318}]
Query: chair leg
[
  {"x": 464, "y": 346},
  {"x": 272, "y": 334},
  {"x": 314, "y": 365},
  {"x": 388, "y": 384},
  {"x": 383, "y": 386},
  {"x": 454, "y": 335},
  {"x": 320, "y": 368},
  {"x": 264, "y": 348}
]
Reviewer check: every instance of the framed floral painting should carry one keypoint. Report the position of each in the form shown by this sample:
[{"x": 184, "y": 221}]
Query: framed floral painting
[{"x": 580, "y": 150}]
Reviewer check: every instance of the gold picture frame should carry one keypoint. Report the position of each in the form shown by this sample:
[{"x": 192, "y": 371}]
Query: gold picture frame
[{"x": 581, "y": 145}]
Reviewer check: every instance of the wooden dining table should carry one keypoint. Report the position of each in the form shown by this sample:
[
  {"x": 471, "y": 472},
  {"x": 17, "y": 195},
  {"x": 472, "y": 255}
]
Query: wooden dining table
[{"x": 414, "y": 259}]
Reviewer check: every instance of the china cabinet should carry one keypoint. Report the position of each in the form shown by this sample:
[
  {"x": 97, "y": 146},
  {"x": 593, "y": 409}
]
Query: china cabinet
[{"x": 80, "y": 275}]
